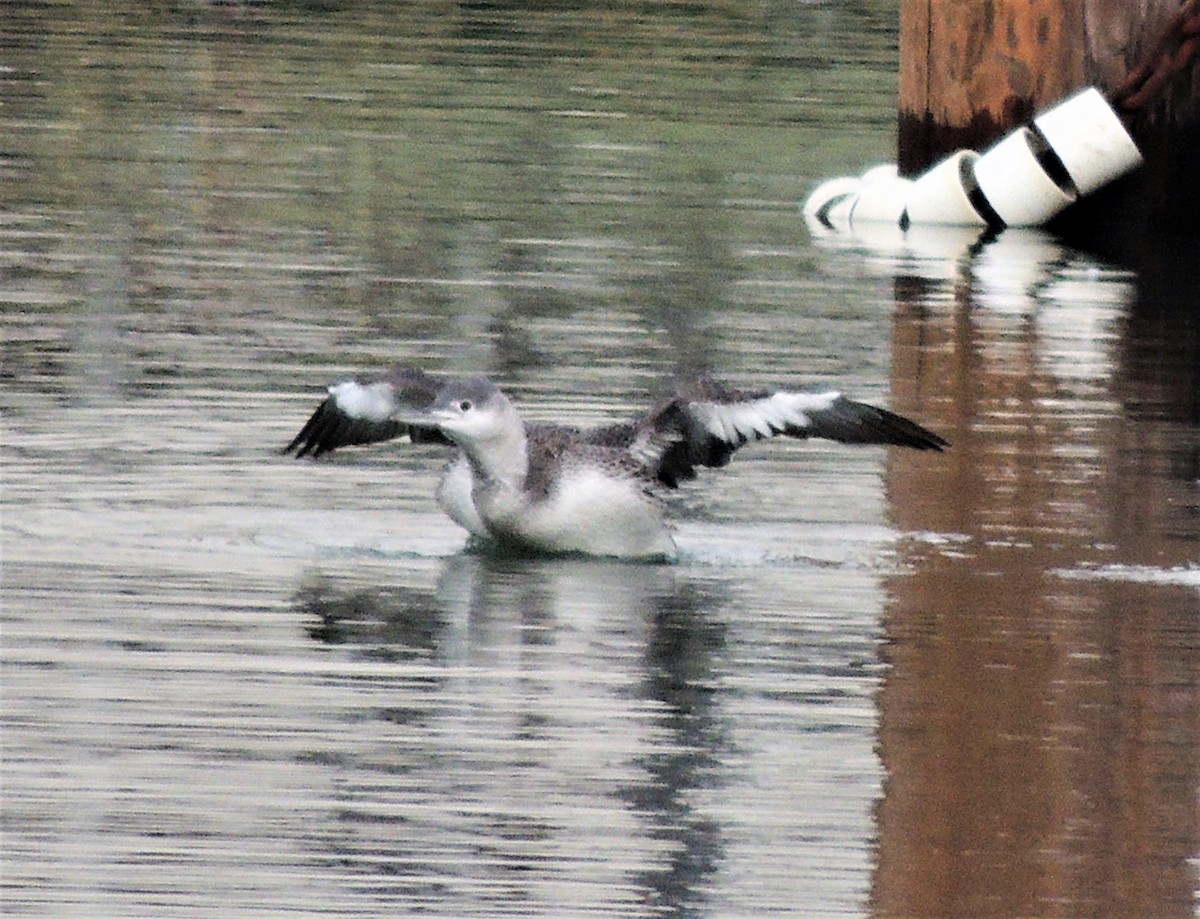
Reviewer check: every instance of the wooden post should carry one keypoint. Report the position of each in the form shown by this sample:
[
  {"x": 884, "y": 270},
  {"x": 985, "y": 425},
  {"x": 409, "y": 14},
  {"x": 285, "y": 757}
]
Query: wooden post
[{"x": 972, "y": 70}]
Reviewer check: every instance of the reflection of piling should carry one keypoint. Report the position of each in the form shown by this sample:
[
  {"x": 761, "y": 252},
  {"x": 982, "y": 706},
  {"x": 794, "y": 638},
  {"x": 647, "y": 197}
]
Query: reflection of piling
[
  {"x": 973, "y": 70},
  {"x": 1007, "y": 682}
]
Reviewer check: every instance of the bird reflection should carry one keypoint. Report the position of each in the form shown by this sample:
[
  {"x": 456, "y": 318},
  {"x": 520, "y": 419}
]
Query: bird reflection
[
  {"x": 681, "y": 663},
  {"x": 387, "y": 623},
  {"x": 552, "y": 655}
]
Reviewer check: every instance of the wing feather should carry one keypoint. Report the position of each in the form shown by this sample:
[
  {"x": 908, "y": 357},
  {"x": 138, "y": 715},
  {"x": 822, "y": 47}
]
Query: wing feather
[
  {"x": 705, "y": 423},
  {"x": 358, "y": 412}
]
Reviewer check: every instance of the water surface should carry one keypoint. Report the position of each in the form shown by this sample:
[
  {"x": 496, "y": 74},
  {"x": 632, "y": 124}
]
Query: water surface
[{"x": 873, "y": 684}]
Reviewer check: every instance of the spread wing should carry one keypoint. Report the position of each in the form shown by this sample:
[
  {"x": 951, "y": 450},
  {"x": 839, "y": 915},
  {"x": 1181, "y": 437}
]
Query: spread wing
[
  {"x": 705, "y": 423},
  {"x": 360, "y": 412}
]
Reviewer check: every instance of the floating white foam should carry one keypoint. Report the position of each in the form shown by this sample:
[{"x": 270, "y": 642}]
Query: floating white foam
[{"x": 1184, "y": 575}]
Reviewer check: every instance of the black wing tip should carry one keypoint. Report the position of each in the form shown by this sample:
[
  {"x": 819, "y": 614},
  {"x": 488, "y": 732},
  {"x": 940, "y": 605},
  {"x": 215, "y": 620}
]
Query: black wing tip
[
  {"x": 315, "y": 437},
  {"x": 304, "y": 442},
  {"x": 927, "y": 441},
  {"x": 327, "y": 431},
  {"x": 866, "y": 423},
  {"x": 904, "y": 432},
  {"x": 305, "y": 450}
]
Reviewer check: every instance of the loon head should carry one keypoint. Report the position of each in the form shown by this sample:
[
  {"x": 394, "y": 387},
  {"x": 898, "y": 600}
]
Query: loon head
[
  {"x": 472, "y": 411},
  {"x": 480, "y": 419}
]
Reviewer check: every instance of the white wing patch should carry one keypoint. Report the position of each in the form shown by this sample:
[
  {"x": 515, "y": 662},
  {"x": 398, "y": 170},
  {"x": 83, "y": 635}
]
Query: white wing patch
[
  {"x": 738, "y": 422},
  {"x": 373, "y": 401},
  {"x": 648, "y": 446}
]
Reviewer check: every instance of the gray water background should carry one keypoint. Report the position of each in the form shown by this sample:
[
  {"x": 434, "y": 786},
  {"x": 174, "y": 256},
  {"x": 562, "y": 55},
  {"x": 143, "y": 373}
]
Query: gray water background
[{"x": 874, "y": 683}]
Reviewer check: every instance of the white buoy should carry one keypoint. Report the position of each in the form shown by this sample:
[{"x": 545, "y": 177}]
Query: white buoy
[
  {"x": 881, "y": 200},
  {"x": 1024, "y": 180},
  {"x": 1016, "y": 185},
  {"x": 942, "y": 194},
  {"x": 1089, "y": 139},
  {"x": 828, "y": 192},
  {"x": 837, "y": 214},
  {"x": 880, "y": 172}
]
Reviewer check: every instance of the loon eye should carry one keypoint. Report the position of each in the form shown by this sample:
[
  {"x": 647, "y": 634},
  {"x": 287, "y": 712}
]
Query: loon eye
[{"x": 464, "y": 406}]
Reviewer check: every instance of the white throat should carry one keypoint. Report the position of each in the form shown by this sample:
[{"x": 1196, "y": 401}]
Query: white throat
[{"x": 500, "y": 455}]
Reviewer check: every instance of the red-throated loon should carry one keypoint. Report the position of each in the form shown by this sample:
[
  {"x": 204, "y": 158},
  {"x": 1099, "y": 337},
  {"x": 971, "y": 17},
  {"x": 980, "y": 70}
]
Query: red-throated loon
[{"x": 554, "y": 488}]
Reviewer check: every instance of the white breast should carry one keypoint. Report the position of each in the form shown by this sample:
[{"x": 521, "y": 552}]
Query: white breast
[
  {"x": 455, "y": 496},
  {"x": 587, "y": 510}
]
